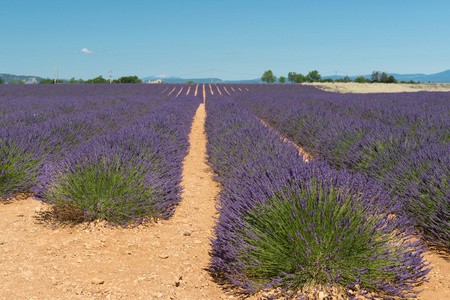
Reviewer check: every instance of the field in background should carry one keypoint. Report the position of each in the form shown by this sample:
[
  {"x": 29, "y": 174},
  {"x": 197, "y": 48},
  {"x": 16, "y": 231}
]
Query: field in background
[{"x": 353, "y": 87}]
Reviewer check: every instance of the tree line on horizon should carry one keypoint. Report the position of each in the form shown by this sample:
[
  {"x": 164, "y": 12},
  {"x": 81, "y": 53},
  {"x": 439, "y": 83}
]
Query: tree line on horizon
[
  {"x": 314, "y": 76},
  {"x": 99, "y": 79}
]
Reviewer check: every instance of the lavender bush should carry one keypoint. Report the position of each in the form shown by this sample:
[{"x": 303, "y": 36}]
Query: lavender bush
[
  {"x": 40, "y": 125},
  {"x": 129, "y": 175},
  {"x": 291, "y": 225},
  {"x": 21, "y": 161}
]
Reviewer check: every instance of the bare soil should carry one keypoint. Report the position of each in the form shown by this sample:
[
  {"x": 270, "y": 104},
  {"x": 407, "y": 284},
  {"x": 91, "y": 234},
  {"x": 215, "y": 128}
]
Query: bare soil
[{"x": 353, "y": 87}]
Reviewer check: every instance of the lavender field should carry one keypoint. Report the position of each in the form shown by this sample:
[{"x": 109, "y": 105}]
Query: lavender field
[
  {"x": 356, "y": 217},
  {"x": 107, "y": 152},
  {"x": 401, "y": 140}
]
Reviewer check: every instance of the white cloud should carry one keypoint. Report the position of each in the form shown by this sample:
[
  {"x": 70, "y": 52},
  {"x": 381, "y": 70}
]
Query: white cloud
[{"x": 85, "y": 50}]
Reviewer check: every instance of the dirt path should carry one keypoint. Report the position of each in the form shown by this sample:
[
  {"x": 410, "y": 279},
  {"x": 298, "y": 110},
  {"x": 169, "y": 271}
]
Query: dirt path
[
  {"x": 226, "y": 91},
  {"x": 171, "y": 91},
  {"x": 166, "y": 260},
  {"x": 179, "y": 92},
  {"x": 219, "y": 90}
]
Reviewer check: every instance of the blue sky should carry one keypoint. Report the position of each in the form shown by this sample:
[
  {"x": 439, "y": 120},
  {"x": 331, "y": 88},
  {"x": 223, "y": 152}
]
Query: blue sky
[{"x": 236, "y": 39}]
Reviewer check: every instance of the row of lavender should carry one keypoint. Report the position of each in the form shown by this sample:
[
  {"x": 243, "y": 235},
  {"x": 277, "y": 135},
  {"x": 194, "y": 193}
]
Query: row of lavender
[
  {"x": 402, "y": 140},
  {"x": 113, "y": 157},
  {"x": 291, "y": 225}
]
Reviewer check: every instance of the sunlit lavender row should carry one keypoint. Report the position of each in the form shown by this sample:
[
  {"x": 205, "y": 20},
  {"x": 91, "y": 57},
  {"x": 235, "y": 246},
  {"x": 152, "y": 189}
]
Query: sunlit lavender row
[
  {"x": 114, "y": 155},
  {"x": 402, "y": 140},
  {"x": 293, "y": 225}
]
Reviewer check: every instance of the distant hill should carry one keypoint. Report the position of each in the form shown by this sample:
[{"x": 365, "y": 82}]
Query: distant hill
[{"x": 28, "y": 79}]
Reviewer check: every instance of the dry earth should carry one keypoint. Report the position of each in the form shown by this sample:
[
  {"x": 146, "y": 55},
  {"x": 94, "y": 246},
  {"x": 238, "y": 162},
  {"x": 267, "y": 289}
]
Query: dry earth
[
  {"x": 163, "y": 260},
  {"x": 353, "y": 87}
]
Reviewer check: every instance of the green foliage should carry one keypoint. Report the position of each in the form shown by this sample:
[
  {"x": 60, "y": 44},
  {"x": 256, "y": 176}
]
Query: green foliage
[
  {"x": 326, "y": 80},
  {"x": 190, "y": 82},
  {"x": 347, "y": 79},
  {"x": 268, "y": 77},
  {"x": 390, "y": 79},
  {"x": 16, "y": 82},
  {"x": 49, "y": 81},
  {"x": 128, "y": 79},
  {"x": 74, "y": 81},
  {"x": 283, "y": 244},
  {"x": 292, "y": 77},
  {"x": 98, "y": 79},
  {"x": 1, "y": 80},
  {"x": 378, "y": 76},
  {"x": 101, "y": 190},
  {"x": 282, "y": 79},
  {"x": 296, "y": 78},
  {"x": 17, "y": 170},
  {"x": 299, "y": 78},
  {"x": 360, "y": 79},
  {"x": 313, "y": 76}
]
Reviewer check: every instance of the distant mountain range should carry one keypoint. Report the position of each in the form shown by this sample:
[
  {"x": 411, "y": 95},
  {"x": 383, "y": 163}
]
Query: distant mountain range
[
  {"x": 27, "y": 79},
  {"x": 442, "y": 77}
]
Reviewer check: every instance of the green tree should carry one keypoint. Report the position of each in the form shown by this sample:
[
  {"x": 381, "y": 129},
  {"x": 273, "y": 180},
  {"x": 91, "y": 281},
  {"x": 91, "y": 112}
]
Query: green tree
[
  {"x": 49, "y": 81},
  {"x": 376, "y": 76},
  {"x": 292, "y": 77},
  {"x": 313, "y": 76},
  {"x": 268, "y": 77},
  {"x": 392, "y": 79},
  {"x": 129, "y": 79},
  {"x": 2, "y": 81},
  {"x": 299, "y": 78},
  {"x": 98, "y": 79},
  {"x": 360, "y": 79},
  {"x": 326, "y": 80},
  {"x": 347, "y": 79},
  {"x": 282, "y": 79}
]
